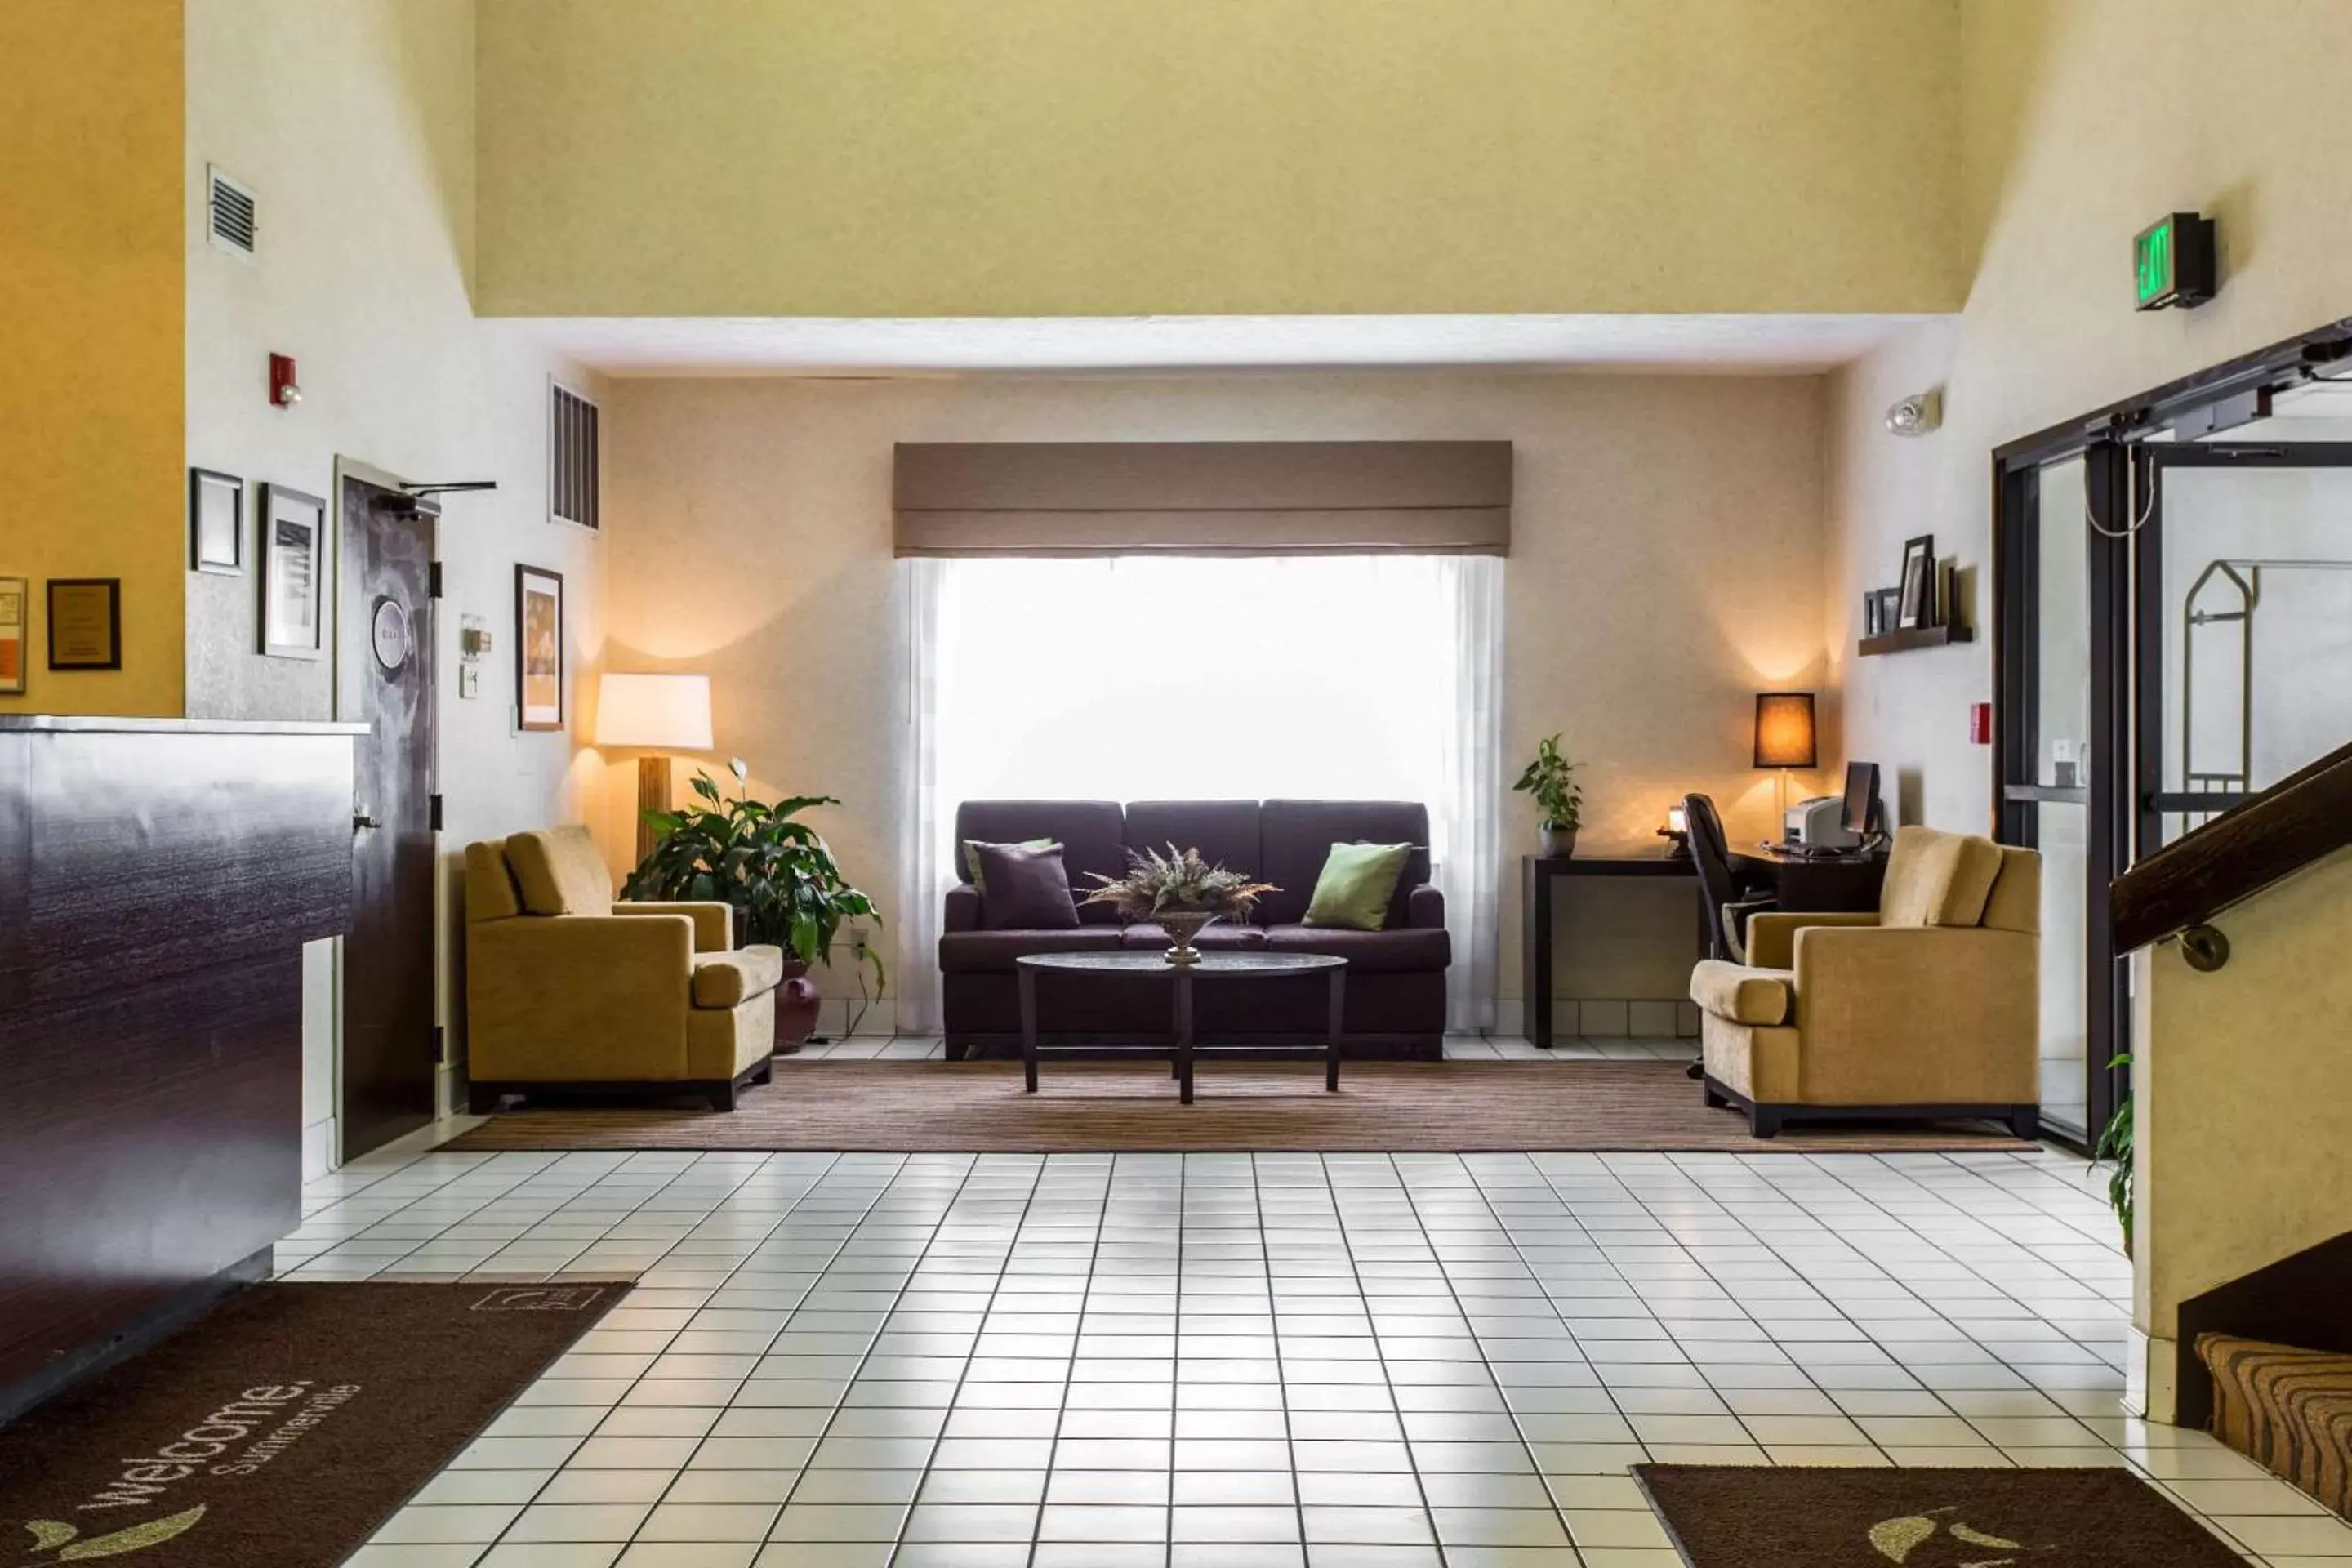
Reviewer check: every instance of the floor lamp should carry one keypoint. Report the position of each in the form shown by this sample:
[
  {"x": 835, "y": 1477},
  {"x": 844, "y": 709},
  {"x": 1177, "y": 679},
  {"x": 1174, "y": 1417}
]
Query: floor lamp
[
  {"x": 1785, "y": 738},
  {"x": 661, "y": 713}
]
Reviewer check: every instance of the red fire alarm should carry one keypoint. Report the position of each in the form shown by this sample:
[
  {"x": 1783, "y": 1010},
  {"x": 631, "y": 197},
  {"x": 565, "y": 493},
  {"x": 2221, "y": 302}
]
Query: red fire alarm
[
  {"x": 284, "y": 392},
  {"x": 1980, "y": 723}
]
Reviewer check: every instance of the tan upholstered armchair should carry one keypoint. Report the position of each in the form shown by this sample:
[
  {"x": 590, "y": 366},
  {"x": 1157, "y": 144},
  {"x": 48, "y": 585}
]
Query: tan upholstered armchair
[
  {"x": 565, "y": 986},
  {"x": 1930, "y": 1007}
]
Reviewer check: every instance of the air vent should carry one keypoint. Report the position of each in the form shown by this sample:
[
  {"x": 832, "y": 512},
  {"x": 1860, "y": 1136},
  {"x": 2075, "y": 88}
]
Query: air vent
[
  {"x": 232, "y": 215},
  {"x": 571, "y": 457}
]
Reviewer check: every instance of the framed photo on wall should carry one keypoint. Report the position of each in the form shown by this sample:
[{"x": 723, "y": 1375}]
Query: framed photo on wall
[
  {"x": 538, "y": 649},
  {"x": 1918, "y": 602},
  {"x": 16, "y": 609},
  {"x": 215, "y": 522},
  {"x": 293, "y": 574},
  {"x": 85, "y": 623}
]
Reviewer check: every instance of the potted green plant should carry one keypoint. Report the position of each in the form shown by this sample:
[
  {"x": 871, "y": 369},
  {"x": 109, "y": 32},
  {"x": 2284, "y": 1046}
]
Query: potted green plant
[
  {"x": 1559, "y": 799},
  {"x": 2116, "y": 1144},
  {"x": 1181, "y": 892},
  {"x": 777, "y": 872}
]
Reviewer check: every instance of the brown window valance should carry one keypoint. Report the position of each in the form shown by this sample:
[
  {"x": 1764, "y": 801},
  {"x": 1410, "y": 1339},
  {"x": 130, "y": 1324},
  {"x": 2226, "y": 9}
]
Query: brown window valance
[{"x": 1203, "y": 497}]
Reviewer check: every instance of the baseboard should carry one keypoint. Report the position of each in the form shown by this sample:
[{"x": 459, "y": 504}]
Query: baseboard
[
  {"x": 148, "y": 1329},
  {"x": 833, "y": 1017},
  {"x": 2151, "y": 1377},
  {"x": 319, "y": 1141}
]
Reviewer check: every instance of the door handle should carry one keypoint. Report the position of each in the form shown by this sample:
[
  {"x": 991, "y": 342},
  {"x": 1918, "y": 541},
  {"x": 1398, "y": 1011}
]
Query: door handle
[{"x": 361, "y": 821}]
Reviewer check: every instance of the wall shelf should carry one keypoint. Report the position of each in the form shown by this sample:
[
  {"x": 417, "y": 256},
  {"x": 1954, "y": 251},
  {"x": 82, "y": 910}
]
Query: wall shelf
[{"x": 1915, "y": 636}]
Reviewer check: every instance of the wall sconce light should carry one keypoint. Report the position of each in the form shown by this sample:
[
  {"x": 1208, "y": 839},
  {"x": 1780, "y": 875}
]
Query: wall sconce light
[{"x": 1917, "y": 414}]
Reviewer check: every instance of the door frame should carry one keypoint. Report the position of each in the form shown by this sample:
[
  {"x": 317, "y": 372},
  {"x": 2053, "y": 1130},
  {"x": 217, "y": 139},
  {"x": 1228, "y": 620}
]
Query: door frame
[
  {"x": 2122, "y": 479},
  {"x": 350, "y": 467}
]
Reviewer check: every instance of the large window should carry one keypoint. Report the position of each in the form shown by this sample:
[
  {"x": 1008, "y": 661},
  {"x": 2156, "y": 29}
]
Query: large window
[{"x": 1169, "y": 678}]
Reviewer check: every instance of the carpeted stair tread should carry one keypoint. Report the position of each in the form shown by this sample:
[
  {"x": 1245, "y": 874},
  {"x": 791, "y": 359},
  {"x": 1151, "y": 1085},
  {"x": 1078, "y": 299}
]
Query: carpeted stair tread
[{"x": 2289, "y": 1410}]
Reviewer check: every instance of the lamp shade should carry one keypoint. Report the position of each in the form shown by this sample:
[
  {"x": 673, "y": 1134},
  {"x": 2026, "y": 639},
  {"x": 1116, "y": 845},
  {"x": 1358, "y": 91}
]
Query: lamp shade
[
  {"x": 1784, "y": 729},
  {"x": 671, "y": 712}
]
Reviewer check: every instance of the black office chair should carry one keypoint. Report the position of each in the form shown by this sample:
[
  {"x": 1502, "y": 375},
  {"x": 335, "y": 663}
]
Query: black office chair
[
  {"x": 1729, "y": 900},
  {"x": 1729, "y": 897}
]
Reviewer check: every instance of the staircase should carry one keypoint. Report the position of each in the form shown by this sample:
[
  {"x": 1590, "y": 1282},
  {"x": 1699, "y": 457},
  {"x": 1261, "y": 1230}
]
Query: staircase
[{"x": 2288, "y": 1410}]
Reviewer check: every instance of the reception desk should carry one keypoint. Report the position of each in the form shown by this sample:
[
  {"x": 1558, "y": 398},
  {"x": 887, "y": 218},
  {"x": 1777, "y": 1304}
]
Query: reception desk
[{"x": 158, "y": 878}]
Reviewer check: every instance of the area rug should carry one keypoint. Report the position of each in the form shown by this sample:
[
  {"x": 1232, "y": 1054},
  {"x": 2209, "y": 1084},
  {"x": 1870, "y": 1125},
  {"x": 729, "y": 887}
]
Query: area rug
[
  {"x": 1083, "y": 1107},
  {"x": 1735, "y": 1516},
  {"x": 282, "y": 1427}
]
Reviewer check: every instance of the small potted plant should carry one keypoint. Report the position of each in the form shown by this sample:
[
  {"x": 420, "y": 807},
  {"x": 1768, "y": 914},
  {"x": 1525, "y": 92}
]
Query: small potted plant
[
  {"x": 1181, "y": 892},
  {"x": 1559, "y": 799},
  {"x": 776, "y": 871}
]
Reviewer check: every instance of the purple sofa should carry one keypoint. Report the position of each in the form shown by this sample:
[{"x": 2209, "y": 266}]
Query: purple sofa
[{"x": 1396, "y": 975}]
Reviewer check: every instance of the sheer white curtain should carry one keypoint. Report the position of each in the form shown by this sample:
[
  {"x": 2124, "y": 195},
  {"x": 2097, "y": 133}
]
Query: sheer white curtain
[{"x": 1160, "y": 677}]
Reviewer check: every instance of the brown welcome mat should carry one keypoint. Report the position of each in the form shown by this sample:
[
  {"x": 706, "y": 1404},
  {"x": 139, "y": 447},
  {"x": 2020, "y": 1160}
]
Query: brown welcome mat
[
  {"x": 282, "y": 1427},
  {"x": 1733, "y": 1515},
  {"x": 1081, "y": 1107}
]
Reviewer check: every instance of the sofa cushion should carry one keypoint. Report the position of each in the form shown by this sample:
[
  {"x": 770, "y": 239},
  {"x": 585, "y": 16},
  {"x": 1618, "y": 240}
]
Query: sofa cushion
[
  {"x": 728, "y": 979},
  {"x": 1223, "y": 937},
  {"x": 1937, "y": 879},
  {"x": 559, "y": 873},
  {"x": 1223, "y": 831},
  {"x": 1357, "y": 886},
  {"x": 972, "y": 847},
  {"x": 1090, "y": 832},
  {"x": 489, "y": 886},
  {"x": 1022, "y": 889},
  {"x": 1761, "y": 997},
  {"x": 1402, "y": 951},
  {"x": 1297, "y": 836},
  {"x": 993, "y": 951}
]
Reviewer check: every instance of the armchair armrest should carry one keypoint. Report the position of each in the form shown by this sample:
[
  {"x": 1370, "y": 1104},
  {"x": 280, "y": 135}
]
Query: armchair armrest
[
  {"x": 579, "y": 998},
  {"x": 714, "y": 922},
  {"x": 1772, "y": 933},
  {"x": 963, "y": 908},
  {"x": 1424, "y": 909},
  {"x": 1919, "y": 1016}
]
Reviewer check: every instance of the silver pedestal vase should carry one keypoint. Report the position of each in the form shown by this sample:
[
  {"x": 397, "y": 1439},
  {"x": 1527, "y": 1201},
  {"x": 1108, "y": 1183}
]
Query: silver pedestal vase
[{"x": 1182, "y": 926}]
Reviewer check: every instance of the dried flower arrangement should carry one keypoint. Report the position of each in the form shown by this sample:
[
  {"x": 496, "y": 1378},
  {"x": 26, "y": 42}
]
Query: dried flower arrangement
[{"x": 1180, "y": 890}]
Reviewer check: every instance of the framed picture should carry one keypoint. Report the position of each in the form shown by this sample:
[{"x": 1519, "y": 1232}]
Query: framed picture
[
  {"x": 215, "y": 522},
  {"x": 538, "y": 649},
  {"x": 1918, "y": 607},
  {"x": 15, "y": 605},
  {"x": 85, "y": 623},
  {"x": 293, "y": 574},
  {"x": 1870, "y": 623},
  {"x": 1890, "y": 608}
]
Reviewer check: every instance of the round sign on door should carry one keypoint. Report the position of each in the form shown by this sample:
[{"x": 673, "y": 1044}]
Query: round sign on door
[{"x": 390, "y": 633}]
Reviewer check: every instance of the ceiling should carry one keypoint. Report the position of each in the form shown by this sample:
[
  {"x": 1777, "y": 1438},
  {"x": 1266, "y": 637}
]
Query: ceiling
[{"x": 800, "y": 346}]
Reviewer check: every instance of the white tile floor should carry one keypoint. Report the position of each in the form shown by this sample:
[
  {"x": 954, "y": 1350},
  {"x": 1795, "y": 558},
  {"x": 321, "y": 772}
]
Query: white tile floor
[{"x": 1187, "y": 1361}]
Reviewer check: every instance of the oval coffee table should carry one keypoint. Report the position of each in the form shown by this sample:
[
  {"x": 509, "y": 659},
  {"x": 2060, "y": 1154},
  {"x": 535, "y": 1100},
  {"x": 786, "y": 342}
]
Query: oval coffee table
[{"x": 1215, "y": 967}]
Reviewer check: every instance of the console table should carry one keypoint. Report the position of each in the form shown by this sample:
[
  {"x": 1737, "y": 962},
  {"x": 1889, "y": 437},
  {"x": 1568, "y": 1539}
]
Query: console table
[{"x": 1799, "y": 883}]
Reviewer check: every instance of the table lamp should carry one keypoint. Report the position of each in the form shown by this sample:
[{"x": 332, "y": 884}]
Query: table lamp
[
  {"x": 1784, "y": 736},
  {"x": 662, "y": 713}
]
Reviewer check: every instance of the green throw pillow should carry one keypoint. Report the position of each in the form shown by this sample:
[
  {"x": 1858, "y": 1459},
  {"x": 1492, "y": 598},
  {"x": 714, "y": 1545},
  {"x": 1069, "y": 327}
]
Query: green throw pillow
[
  {"x": 1357, "y": 883},
  {"x": 971, "y": 857}
]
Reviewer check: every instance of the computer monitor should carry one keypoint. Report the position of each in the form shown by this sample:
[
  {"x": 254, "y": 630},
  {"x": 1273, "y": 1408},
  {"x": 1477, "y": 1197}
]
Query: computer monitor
[{"x": 1861, "y": 797}]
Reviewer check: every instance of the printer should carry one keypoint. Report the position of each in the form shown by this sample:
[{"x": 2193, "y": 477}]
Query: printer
[
  {"x": 1819, "y": 824},
  {"x": 1829, "y": 823}
]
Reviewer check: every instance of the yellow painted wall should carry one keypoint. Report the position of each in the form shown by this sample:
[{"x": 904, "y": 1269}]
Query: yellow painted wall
[
  {"x": 1110, "y": 157},
  {"x": 2240, "y": 1161},
  {"x": 90, "y": 223}
]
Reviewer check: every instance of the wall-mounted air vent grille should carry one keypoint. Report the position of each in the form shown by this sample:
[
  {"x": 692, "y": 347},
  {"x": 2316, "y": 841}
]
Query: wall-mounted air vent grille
[
  {"x": 571, "y": 457},
  {"x": 232, "y": 217}
]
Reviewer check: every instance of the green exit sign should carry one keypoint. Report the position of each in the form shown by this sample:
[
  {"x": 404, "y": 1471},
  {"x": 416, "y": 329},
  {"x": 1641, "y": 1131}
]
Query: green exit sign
[{"x": 2172, "y": 262}]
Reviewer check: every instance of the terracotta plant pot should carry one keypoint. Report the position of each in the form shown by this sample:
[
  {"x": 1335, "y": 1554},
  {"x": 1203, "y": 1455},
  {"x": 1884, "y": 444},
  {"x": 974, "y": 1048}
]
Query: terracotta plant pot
[
  {"x": 796, "y": 1001},
  {"x": 1560, "y": 843}
]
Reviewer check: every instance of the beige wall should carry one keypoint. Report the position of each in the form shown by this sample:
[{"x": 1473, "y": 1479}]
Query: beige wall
[
  {"x": 2240, "y": 1161},
  {"x": 89, "y": 315},
  {"x": 2085, "y": 120},
  {"x": 1665, "y": 566},
  {"x": 354, "y": 123},
  {"x": 1040, "y": 158}
]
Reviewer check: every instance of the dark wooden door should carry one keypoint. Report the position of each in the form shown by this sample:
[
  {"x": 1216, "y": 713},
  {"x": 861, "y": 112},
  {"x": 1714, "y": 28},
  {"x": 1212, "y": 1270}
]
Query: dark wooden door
[{"x": 384, "y": 674}]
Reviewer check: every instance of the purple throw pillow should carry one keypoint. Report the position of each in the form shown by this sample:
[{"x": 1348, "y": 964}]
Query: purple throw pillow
[{"x": 1025, "y": 888}]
